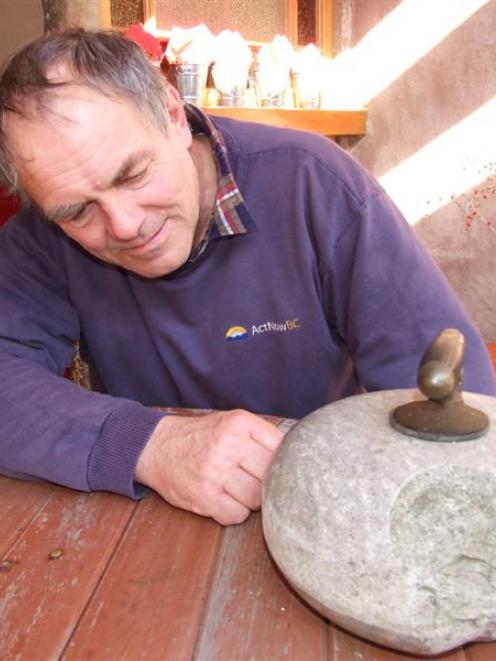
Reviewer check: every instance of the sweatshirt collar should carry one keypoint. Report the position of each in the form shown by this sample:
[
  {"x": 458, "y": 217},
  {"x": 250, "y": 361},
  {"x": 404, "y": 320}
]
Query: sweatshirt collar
[{"x": 230, "y": 216}]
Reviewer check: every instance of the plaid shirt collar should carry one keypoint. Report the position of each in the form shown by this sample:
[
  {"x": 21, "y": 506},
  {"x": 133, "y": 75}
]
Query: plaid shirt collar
[{"x": 230, "y": 216}]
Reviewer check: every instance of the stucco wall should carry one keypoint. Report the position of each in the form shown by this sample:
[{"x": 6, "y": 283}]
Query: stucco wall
[
  {"x": 431, "y": 137},
  {"x": 20, "y": 21}
]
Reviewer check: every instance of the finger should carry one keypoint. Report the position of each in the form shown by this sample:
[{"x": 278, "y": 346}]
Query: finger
[
  {"x": 256, "y": 460},
  {"x": 266, "y": 434},
  {"x": 229, "y": 511},
  {"x": 244, "y": 488}
]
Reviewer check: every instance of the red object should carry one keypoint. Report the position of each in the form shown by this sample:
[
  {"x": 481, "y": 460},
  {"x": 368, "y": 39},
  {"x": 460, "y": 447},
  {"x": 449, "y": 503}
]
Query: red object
[
  {"x": 150, "y": 44},
  {"x": 9, "y": 205},
  {"x": 492, "y": 352}
]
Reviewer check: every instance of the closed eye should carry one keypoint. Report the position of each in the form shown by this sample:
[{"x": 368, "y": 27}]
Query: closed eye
[
  {"x": 78, "y": 214},
  {"x": 132, "y": 178}
]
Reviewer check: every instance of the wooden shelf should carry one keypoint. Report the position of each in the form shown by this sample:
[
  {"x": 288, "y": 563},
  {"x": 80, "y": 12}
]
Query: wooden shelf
[{"x": 326, "y": 122}]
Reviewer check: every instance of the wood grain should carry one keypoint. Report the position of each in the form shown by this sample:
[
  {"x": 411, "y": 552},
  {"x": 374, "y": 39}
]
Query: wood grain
[
  {"x": 480, "y": 652},
  {"x": 252, "y": 613},
  {"x": 345, "y": 647},
  {"x": 150, "y": 601},
  {"x": 59, "y": 559},
  {"x": 19, "y": 504}
]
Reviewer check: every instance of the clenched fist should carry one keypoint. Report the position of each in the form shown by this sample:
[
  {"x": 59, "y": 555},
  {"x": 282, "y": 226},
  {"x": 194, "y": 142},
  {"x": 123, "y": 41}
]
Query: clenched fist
[{"x": 211, "y": 465}]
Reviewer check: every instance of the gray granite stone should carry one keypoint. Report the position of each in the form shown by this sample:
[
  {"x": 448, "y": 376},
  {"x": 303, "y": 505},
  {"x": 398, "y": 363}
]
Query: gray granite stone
[{"x": 390, "y": 537}]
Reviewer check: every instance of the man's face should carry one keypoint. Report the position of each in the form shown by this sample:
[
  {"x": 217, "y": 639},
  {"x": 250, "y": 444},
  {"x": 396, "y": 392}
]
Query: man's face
[{"x": 123, "y": 189}]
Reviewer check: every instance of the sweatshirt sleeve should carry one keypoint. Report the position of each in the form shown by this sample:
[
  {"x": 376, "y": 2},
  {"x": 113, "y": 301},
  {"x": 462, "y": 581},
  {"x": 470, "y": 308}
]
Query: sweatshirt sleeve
[
  {"x": 390, "y": 300},
  {"x": 51, "y": 428}
]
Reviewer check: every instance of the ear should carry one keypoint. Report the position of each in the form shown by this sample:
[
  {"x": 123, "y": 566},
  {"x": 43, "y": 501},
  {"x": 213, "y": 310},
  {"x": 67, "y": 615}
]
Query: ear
[{"x": 178, "y": 123}]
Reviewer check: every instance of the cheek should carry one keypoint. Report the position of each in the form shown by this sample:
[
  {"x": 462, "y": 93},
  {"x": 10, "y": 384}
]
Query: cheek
[
  {"x": 91, "y": 238},
  {"x": 159, "y": 193},
  {"x": 174, "y": 183}
]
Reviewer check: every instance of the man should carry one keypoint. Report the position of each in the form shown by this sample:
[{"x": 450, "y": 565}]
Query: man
[{"x": 202, "y": 264}]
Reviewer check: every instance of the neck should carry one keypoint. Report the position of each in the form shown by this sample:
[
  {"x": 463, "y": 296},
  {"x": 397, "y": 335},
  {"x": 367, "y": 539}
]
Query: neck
[{"x": 206, "y": 167}]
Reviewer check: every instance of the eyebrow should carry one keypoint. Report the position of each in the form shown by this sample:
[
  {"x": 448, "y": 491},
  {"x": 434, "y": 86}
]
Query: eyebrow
[
  {"x": 129, "y": 165},
  {"x": 68, "y": 211},
  {"x": 71, "y": 210}
]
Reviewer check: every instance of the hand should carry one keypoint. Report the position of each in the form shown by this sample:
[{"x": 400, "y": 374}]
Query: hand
[{"x": 211, "y": 465}]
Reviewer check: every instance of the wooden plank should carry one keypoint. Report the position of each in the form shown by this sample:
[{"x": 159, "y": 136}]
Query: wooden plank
[
  {"x": 326, "y": 122},
  {"x": 252, "y": 613},
  {"x": 149, "y": 11},
  {"x": 480, "y": 652},
  {"x": 150, "y": 602},
  {"x": 291, "y": 15},
  {"x": 19, "y": 504},
  {"x": 324, "y": 20},
  {"x": 345, "y": 647},
  {"x": 59, "y": 559},
  {"x": 105, "y": 14}
]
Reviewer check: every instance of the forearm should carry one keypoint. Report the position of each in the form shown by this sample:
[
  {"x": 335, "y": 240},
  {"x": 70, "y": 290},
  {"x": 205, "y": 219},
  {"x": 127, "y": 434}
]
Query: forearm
[{"x": 57, "y": 431}]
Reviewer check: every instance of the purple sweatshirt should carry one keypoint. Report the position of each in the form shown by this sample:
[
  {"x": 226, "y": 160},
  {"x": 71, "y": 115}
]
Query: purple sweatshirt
[{"x": 328, "y": 293}]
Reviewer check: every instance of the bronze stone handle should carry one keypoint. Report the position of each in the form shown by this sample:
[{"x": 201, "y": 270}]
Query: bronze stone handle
[{"x": 443, "y": 417}]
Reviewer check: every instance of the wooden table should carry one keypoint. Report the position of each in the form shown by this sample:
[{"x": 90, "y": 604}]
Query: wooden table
[{"x": 97, "y": 576}]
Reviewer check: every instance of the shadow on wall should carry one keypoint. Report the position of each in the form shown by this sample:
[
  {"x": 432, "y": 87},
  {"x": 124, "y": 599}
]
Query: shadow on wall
[
  {"x": 361, "y": 25},
  {"x": 447, "y": 84},
  {"x": 461, "y": 237},
  {"x": 426, "y": 72}
]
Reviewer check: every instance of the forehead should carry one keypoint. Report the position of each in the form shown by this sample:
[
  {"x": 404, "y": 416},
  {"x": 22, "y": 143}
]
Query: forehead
[
  {"x": 72, "y": 110},
  {"x": 83, "y": 131}
]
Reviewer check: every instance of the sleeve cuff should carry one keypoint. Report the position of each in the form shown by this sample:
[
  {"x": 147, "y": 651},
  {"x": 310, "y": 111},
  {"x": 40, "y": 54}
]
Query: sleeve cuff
[{"x": 112, "y": 462}]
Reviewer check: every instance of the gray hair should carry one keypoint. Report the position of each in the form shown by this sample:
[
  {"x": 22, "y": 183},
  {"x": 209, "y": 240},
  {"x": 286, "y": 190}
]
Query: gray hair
[{"x": 104, "y": 61}]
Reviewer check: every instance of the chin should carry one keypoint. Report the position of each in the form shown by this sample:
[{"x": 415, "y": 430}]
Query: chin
[
  {"x": 149, "y": 273},
  {"x": 154, "y": 265},
  {"x": 154, "y": 270}
]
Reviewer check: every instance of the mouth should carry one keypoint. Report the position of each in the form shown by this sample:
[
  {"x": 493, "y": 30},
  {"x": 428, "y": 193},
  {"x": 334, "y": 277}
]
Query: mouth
[{"x": 151, "y": 243}]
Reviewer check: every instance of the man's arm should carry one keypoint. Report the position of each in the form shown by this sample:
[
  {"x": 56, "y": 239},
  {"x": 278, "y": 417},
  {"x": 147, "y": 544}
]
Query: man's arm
[
  {"x": 51, "y": 428},
  {"x": 54, "y": 430},
  {"x": 390, "y": 300}
]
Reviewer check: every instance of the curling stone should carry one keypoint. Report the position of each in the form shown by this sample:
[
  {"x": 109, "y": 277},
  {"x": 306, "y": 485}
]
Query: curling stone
[{"x": 381, "y": 511}]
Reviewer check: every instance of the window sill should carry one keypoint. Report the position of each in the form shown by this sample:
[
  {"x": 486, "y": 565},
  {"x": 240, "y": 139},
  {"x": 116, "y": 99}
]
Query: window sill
[{"x": 326, "y": 122}]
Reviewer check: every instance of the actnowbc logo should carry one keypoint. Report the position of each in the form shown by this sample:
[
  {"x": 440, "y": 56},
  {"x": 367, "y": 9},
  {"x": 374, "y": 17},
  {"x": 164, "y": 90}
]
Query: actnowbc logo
[{"x": 236, "y": 333}]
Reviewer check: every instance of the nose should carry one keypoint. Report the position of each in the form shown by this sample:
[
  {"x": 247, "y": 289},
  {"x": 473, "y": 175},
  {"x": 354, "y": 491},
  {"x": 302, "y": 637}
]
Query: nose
[{"x": 123, "y": 218}]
